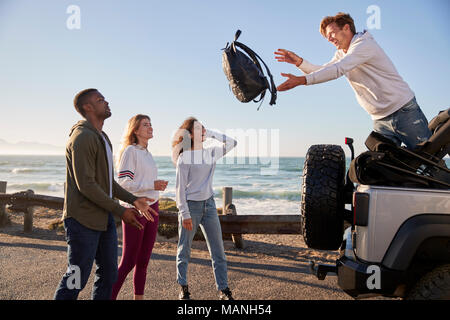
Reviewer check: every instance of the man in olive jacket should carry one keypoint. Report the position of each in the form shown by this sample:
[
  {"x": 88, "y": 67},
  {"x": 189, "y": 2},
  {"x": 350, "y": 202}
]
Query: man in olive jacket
[{"x": 88, "y": 203}]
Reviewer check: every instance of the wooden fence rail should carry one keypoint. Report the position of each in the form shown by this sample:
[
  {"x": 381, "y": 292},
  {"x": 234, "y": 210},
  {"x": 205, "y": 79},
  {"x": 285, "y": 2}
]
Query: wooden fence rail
[{"x": 231, "y": 223}]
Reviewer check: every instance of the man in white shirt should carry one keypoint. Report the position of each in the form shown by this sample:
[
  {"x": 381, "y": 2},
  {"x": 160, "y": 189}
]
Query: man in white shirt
[{"x": 378, "y": 87}]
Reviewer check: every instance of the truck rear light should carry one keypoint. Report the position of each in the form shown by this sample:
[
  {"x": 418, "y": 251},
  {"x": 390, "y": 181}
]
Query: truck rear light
[{"x": 360, "y": 208}]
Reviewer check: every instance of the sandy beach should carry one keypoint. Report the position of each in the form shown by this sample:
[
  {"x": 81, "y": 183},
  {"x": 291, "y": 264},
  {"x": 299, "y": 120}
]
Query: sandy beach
[{"x": 270, "y": 267}]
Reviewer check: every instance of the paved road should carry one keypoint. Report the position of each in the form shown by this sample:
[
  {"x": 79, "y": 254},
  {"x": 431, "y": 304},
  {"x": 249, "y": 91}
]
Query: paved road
[
  {"x": 270, "y": 267},
  {"x": 31, "y": 268}
]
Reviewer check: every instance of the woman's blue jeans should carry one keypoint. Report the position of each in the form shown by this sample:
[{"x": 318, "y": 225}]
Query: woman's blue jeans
[
  {"x": 408, "y": 125},
  {"x": 203, "y": 214}
]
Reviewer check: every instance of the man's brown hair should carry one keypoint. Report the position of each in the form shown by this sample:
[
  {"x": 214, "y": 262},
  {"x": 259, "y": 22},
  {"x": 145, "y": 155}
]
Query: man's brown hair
[
  {"x": 341, "y": 19},
  {"x": 81, "y": 99}
]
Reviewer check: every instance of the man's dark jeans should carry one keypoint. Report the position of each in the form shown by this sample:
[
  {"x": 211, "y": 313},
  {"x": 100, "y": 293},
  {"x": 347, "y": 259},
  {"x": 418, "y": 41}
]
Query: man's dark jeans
[{"x": 84, "y": 247}]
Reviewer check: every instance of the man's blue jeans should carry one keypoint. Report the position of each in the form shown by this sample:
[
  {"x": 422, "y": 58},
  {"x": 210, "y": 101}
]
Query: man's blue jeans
[
  {"x": 84, "y": 246},
  {"x": 203, "y": 213},
  {"x": 408, "y": 125}
]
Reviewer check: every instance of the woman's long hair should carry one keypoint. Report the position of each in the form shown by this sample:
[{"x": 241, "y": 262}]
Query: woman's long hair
[
  {"x": 129, "y": 136},
  {"x": 182, "y": 138}
]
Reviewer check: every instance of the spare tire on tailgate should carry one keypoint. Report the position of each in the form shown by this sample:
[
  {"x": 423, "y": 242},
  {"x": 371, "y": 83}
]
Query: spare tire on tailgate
[{"x": 322, "y": 203}]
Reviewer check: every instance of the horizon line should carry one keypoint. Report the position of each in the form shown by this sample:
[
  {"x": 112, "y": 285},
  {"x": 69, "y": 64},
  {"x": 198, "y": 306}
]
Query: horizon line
[{"x": 158, "y": 155}]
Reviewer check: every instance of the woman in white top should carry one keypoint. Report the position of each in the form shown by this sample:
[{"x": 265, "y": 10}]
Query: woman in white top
[
  {"x": 195, "y": 200},
  {"x": 138, "y": 174}
]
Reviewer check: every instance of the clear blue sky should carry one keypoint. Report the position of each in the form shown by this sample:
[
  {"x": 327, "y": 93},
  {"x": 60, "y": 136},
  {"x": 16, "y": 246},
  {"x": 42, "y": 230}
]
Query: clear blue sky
[{"x": 163, "y": 58}]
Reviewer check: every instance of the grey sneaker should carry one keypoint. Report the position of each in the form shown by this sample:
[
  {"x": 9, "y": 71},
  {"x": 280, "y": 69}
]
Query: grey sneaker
[
  {"x": 184, "y": 293},
  {"x": 225, "y": 294}
]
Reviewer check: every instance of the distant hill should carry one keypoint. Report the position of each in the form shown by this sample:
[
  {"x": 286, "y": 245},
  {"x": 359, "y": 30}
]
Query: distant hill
[{"x": 26, "y": 147}]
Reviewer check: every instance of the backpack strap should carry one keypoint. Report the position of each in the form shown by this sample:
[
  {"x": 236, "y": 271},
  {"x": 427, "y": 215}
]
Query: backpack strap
[{"x": 236, "y": 36}]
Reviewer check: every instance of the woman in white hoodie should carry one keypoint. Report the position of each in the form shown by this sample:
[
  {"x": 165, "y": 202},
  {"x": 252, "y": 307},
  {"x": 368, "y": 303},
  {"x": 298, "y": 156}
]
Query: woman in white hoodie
[
  {"x": 138, "y": 174},
  {"x": 195, "y": 167}
]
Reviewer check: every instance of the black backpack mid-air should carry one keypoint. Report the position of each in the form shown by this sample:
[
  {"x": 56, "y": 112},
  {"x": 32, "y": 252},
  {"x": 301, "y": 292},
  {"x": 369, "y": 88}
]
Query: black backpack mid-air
[{"x": 243, "y": 71}]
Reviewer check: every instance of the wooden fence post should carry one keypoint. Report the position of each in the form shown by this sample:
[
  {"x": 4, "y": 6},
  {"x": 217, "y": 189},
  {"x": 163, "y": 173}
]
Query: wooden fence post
[
  {"x": 230, "y": 208},
  {"x": 28, "y": 216},
  {"x": 227, "y": 197},
  {"x": 3, "y": 216}
]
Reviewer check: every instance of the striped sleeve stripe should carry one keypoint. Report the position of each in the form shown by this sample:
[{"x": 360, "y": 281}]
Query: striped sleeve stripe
[{"x": 126, "y": 173}]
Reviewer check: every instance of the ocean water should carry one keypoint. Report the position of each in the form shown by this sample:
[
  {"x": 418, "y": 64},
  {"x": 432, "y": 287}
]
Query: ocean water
[{"x": 260, "y": 186}]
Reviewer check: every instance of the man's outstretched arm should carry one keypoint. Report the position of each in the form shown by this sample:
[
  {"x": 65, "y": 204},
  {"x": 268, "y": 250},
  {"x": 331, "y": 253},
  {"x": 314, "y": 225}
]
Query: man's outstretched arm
[
  {"x": 357, "y": 54},
  {"x": 283, "y": 55},
  {"x": 291, "y": 82}
]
